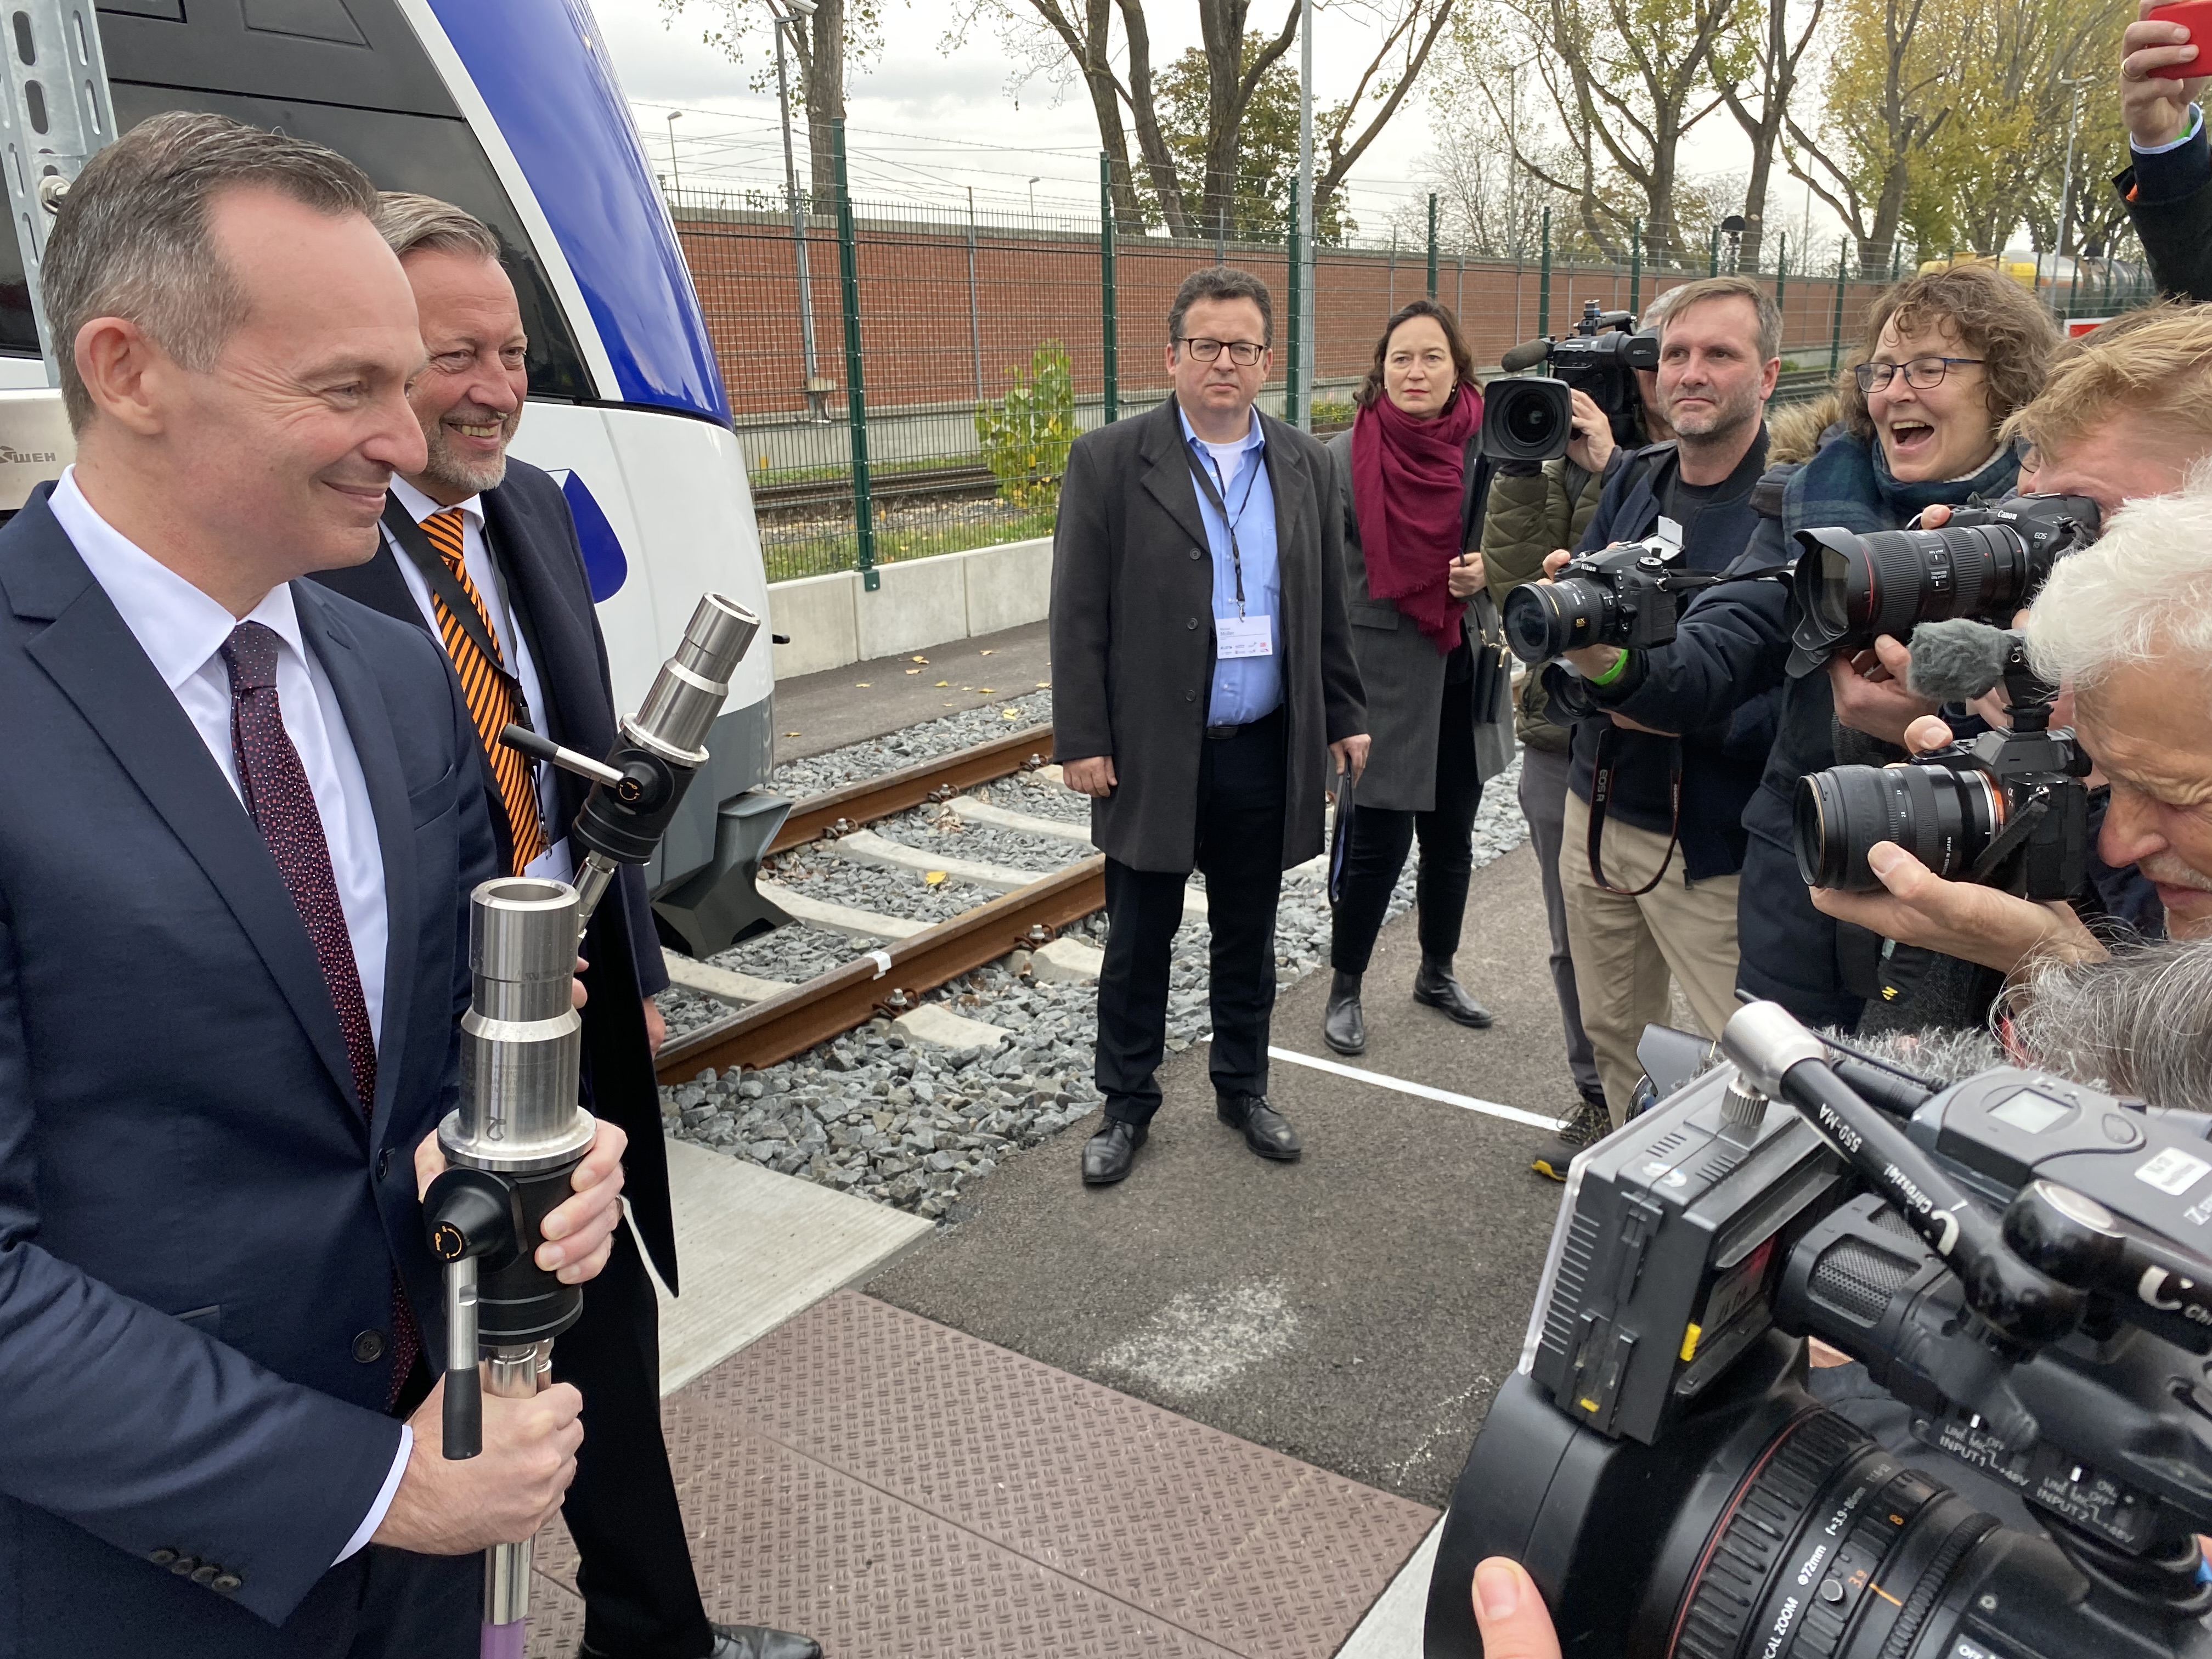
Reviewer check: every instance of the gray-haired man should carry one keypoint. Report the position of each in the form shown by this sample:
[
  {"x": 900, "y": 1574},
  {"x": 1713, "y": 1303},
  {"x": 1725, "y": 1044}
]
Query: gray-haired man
[{"x": 479, "y": 551}]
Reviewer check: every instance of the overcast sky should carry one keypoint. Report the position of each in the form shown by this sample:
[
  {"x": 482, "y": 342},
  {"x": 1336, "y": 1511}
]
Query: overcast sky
[{"x": 928, "y": 122}]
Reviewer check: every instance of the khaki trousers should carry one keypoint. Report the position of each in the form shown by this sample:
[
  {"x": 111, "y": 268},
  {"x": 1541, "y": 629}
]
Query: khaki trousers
[{"x": 1626, "y": 949}]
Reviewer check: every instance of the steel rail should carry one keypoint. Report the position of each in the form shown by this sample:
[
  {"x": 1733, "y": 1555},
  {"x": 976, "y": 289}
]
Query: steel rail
[
  {"x": 939, "y": 779},
  {"x": 890, "y": 980}
]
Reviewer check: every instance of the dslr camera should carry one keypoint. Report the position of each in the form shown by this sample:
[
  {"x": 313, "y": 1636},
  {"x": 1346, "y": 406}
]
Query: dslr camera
[
  {"x": 1532, "y": 419},
  {"x": 1628, "y": 594},
  {"x": 1986, "y": 563},
  {"x": 2016, "y": 1259},
  {"x": 2008, "y": 810}
]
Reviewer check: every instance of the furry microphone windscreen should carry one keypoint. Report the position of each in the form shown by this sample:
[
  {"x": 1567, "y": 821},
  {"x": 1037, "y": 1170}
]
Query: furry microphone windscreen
[{"x": 1956, "y": 661}]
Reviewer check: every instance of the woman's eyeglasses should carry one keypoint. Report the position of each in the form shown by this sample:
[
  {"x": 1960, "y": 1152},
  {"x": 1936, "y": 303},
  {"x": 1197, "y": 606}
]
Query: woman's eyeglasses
[
  {"x": 1242, "y": 353},
  {"x": 1922, "y": 373}
]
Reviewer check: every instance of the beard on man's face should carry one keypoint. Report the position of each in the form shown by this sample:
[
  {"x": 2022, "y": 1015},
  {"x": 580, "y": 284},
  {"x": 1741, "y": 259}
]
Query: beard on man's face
[{"x": 451, "y": 467}]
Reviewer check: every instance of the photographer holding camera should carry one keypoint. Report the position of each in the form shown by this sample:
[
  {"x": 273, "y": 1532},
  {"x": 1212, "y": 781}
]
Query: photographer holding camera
[
  {"x": 1535, "y": 506},
  {"x": 2126, "y": 415},
  {"x": 1641, "y": 796},
  {"x": 2168, "y": 184}
]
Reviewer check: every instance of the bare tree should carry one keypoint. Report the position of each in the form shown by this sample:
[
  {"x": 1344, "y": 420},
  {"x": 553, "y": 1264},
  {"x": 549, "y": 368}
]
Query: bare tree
[{"x": 1768, "y": 65}]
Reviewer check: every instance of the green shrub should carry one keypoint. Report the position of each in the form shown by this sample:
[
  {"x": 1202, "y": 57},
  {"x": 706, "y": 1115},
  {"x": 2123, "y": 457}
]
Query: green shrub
[
  {"x": 1328, "y": 411},
  {"x": 1026, "y": 435}
]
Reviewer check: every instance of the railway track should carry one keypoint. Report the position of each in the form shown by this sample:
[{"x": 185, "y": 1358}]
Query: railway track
[{"x": 891, "y": 981}]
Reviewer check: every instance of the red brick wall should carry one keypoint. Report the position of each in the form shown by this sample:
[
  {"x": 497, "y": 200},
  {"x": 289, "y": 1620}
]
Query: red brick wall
[{"x": 918, "y": 346}]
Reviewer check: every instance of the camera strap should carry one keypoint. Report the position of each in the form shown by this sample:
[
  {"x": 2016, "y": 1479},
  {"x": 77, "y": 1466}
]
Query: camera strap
[{"x": 1601, "y": 797}]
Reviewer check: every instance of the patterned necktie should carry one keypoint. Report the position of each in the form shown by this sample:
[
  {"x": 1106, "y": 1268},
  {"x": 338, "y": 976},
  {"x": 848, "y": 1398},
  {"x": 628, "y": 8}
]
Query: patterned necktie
[
  {"x": 282, "y": 804},
  {"x": 484, "y": 684}
]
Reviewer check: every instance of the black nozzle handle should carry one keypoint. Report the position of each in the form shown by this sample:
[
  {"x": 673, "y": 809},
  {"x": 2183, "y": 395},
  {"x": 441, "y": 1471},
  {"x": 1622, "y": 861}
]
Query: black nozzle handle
[
  {"x": 1783, "y": 1059},
  {"x": 538, "y": 746},
  {"x": 471, "y": 1215}
]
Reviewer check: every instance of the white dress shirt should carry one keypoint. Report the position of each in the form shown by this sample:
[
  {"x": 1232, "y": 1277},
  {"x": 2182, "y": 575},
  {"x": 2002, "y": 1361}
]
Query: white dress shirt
[
  {"x": 182, "y": 631},
  {"x": 555, "y": 864}
]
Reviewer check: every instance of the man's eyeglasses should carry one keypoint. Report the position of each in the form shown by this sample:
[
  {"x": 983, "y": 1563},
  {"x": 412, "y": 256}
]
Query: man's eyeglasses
[
  {"x": 1921, "y": 373},
  {"x": 1242, "y": 353}
]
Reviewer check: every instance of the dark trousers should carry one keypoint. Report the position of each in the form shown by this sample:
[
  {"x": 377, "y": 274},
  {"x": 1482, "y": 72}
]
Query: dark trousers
[
  {"x": 1240, "y": 803},
  {"x": 1786, "y": 949},
  {"x": 641, "y": 1598},
  {"x": 1379, "y": 840}
]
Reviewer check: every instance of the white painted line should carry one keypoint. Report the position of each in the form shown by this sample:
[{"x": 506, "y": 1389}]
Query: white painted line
[
  {"x": 1393, "y": 1626},
  {"x": 1490, "y": 1108},
  {"x": 755, "y": 1248}
]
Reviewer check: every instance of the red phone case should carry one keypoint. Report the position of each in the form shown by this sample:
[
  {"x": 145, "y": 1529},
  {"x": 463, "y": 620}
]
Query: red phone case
[{"x": 2196, "y": 16}]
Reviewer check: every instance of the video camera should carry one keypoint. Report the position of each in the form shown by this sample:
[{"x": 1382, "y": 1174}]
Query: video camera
[
  {"x": 2009, "y": 809},
  {"x": 2015, "y": 1258},
  {"x": 1987, "y": 563},
  {"x": 1532, "y": 419},
  {"x": 1628, "y": 595}
]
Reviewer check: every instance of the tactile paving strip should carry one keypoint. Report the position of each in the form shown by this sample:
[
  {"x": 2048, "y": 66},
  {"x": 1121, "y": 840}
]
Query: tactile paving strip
[{"x": 901, "y": 1490}]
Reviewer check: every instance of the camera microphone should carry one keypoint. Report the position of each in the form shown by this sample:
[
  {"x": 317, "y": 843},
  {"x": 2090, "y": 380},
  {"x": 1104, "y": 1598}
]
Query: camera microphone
[
  {"x": 1525, "y": 355},
  {"x": 1959, "y": 659}
]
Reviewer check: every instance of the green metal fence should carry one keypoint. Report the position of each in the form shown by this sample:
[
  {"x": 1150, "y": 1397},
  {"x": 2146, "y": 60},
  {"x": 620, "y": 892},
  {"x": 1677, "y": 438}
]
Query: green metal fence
[{"x": 972, "y": 345}]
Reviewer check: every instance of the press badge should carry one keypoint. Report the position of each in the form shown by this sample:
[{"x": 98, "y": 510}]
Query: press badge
[{"x": 1244, "y": 636}]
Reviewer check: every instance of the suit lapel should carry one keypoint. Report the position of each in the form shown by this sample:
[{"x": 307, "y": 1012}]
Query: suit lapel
[
  {"x": 368, "y": 722},
  {"x": 1287, "y": 480},
  {"x": 88, "y": 652},
  {"x": 1169, "y": 477}
]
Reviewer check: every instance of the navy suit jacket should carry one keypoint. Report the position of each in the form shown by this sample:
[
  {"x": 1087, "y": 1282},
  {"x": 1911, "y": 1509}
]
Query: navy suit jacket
[
  {"x": 533, "y": 541},
  {"x": 196, "y": 1225}
]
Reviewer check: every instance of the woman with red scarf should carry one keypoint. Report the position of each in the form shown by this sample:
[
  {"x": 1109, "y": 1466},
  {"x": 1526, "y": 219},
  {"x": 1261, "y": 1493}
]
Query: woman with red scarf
[{"x": 1430, "y": 654}]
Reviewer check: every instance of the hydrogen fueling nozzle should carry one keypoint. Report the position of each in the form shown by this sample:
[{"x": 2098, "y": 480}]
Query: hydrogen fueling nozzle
[
  {"x": 511, "y": 1146},
  {"x": 641, "y": 783}
]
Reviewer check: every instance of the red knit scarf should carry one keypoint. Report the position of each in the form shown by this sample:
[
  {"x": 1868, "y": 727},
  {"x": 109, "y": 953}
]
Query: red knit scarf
[{"x": 1408, "y": 480}]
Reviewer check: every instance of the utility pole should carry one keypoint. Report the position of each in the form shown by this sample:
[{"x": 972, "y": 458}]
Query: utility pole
[
  {"x": 2066, "y": 187},
  {"x": 815, "y": 388},
  {"x": 1301, "y": 417},
  {"x": 674, "y": 173}
]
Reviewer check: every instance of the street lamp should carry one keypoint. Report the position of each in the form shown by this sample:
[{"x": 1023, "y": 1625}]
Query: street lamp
[
  {"x": 675, "y": 177},
  {"x": 788, "y": 15},
  {"x": 1033, "y": 185},
  {"x": 2066, "y": 190}
]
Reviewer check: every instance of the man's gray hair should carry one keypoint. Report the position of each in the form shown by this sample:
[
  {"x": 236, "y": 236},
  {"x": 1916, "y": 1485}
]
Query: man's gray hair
[
  {"x": 133, "y": 240},
  {"x": 2143, "y": 592},
  {"x": 423, "y": 224},
  {"x": 2140, "y": 1023}
]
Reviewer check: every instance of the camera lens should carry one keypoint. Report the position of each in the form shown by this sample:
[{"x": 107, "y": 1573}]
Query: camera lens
[
  {"x": 1831, "y": 1547},
  {"x": 1943, "y": 818},
  {"x": 1850, "y": 589},
  {"x": 1542, "y": 619},
  {"x": 1527, "y": 419}
]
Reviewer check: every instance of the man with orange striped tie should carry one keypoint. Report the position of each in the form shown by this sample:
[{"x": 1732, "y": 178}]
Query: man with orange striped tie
[{"x": 480, "y": 549}]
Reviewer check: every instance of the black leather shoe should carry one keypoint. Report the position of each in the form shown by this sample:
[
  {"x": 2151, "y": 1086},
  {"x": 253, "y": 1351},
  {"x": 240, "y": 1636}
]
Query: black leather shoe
[
  {"x": 1343, "y": 1027},
  {"x": 1266, "y": 1130},
  {"x": 1436, "y": 988},
  {"x": 759, "y": 1642},
  {"x": 1108, "y": 1154}
]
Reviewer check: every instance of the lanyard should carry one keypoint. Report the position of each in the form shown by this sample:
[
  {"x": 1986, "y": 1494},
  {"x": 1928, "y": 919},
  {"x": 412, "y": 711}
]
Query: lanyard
[{"x": 1201, "y": 475}]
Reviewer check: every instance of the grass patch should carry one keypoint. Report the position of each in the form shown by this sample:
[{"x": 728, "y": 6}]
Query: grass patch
[{"x": 820, "y": 552}]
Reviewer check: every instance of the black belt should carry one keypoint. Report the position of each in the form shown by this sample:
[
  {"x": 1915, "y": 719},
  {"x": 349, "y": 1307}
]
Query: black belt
[{"x": 1217, "y": 732}]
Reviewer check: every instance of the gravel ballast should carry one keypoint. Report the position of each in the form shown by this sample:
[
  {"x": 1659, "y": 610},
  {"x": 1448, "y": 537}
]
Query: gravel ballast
[{"x": 912, "y": 1124}]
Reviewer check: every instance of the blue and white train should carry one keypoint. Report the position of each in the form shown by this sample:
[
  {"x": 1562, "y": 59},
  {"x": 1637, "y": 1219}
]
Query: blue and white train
[{"x": 511, "y": 109}]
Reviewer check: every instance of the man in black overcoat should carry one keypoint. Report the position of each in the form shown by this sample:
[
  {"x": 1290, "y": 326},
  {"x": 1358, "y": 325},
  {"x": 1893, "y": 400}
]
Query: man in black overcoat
[
  {"x": 480, "y": 551},
  {"x": 1202, "y": 682}
]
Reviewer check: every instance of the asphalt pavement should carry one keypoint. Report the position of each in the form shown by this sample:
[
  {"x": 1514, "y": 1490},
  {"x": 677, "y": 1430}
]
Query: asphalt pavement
[
  {"x": 817, "y": 713},
  {"x": 1357, "y": 1310}
]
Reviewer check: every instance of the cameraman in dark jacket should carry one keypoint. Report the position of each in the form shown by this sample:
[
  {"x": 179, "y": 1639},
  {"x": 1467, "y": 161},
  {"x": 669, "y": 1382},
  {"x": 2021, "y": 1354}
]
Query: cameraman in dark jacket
[{"x": 1651, "y": 888}]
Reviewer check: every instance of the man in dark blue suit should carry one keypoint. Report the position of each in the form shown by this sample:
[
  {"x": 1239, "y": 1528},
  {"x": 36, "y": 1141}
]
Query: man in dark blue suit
[
  {"x": 233, "y": 866},
  {"x": 479, "y": 551}
]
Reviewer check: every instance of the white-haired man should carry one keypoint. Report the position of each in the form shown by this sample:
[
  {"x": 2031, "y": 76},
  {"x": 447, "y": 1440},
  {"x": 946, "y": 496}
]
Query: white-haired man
[{"x": 2126, "y": 627}]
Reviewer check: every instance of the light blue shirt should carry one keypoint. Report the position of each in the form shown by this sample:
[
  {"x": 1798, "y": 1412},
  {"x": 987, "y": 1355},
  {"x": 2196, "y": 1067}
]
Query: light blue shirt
[{"x": 1244, "y": 688}]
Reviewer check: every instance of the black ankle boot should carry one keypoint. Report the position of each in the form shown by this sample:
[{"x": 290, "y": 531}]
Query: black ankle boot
[
  {"x": 1435, "y": 986},
  {"x": 1343, "y": 1027}
]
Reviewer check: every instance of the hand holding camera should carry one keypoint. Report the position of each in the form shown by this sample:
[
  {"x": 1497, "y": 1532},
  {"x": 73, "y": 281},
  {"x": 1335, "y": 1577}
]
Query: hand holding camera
[{"x": 2155, "y": 99}]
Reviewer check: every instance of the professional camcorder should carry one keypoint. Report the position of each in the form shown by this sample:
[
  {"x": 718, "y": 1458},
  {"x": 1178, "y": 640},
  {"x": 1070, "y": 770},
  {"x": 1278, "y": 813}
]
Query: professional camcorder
[
  {"x": 1986, "y": 563},
  {"x": 2009, "y": 809},
  {"x": 1628, "y": 595},
  {"x": 2015, "y": 1258},
  {"x": 1532, "y": 420}
]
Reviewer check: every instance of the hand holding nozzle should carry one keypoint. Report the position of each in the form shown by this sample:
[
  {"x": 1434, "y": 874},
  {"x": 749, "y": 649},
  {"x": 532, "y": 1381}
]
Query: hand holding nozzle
[{"x": 452, "y": 1506}]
